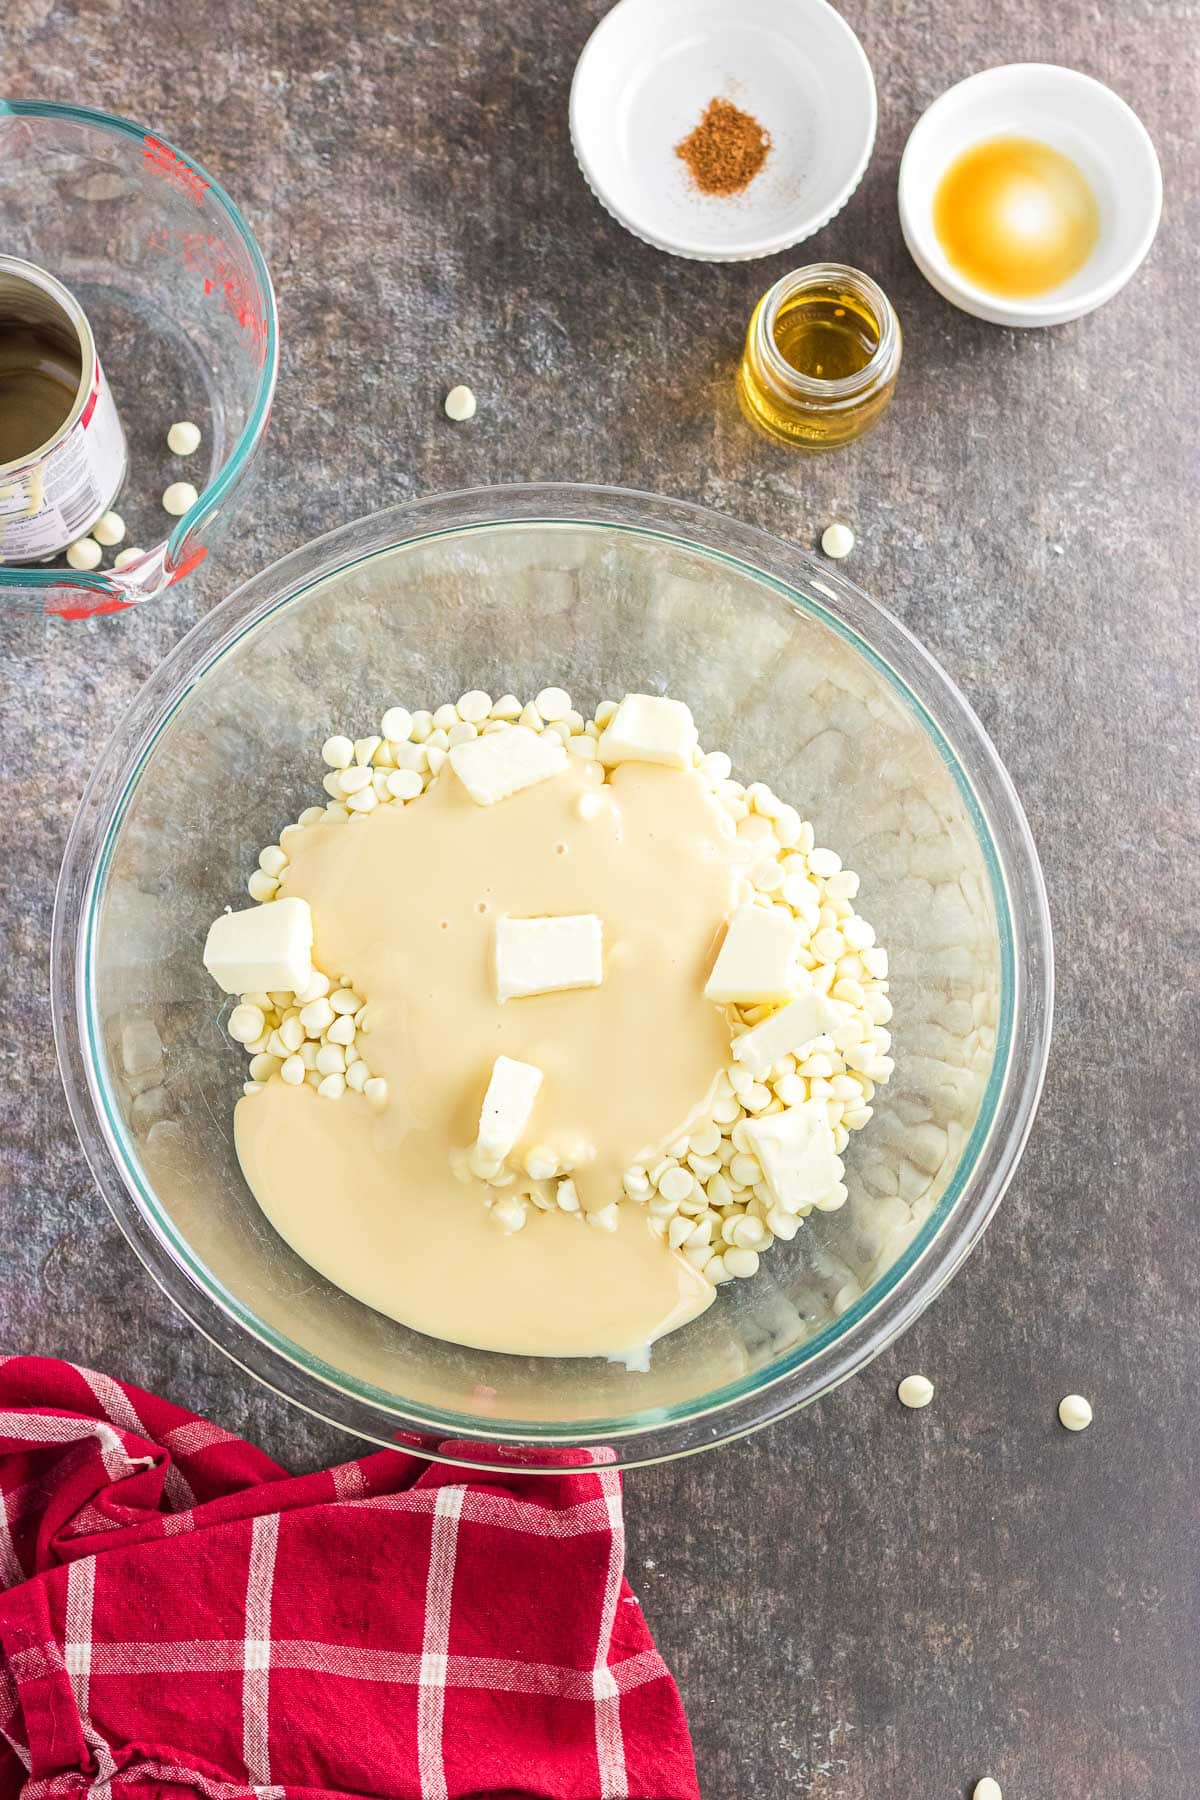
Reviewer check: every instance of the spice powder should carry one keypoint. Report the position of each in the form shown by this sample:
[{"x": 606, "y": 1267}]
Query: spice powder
[{"x": 726, "y": 150}]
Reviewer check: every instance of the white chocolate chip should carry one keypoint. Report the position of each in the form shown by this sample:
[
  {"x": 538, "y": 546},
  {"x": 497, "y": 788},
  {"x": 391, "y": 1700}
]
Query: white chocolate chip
[
  {"x": 1074, "y": 1412},
  {"x": 553, "y": 703},
  {"x": 123, "y": 558},
  {"x": 179, "y": 497},
  {"x": 510, "y": 1213},
  {"x": 183, "y": 439},
  {"x": 396, "y": 725},
  {"x": 245, "y": 1024},
  {"x": 987, "y": 1789},
  {"x": 338, "y": 752},
  {"x": 316, "y": 1017},
  {"x": 460, "y": 404},
  {"x": 837, "y": 540},
  {"x": 109, "y": 529},
  {"x": 404, "y": 784},
  {"x": 915, "y": 1391},
  {"x": 84, "y": 553},
  {"x": 475, "y": 706}
]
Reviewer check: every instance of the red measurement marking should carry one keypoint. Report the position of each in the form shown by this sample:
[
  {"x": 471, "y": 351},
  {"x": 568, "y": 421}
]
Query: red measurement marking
[
  {"x": 223, "y": 279},
  {"x": 160, "y": 159},
  {"x": 72, "y": 607},
  {"x": 188, "y": 564}
]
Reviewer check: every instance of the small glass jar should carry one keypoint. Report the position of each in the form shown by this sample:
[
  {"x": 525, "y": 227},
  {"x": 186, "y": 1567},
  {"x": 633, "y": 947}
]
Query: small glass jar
[{"x": 821, "y": 358}]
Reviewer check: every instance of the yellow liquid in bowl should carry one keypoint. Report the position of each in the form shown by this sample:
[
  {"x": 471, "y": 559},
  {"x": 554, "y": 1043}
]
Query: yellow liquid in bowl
[{"x": 1015, "y": 217}]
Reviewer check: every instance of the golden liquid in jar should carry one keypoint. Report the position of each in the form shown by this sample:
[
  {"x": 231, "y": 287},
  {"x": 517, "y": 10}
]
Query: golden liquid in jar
[
  {"x": 1015, "y": 217},
  {"x": 826, "y": 334},
  {"x": 39, "y": 383}
]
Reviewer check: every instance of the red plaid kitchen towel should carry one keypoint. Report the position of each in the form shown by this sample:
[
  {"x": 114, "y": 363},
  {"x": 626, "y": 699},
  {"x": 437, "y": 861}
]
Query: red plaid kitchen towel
[{"x": 180, "y": 1617}]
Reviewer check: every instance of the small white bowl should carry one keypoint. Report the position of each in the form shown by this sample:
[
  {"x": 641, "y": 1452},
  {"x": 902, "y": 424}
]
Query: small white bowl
[
  {"x": 1072, "y": 113},
  {"x": 644, "y": 79}
]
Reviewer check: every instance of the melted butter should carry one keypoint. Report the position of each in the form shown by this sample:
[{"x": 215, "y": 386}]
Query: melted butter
[
  {"x": 1016, "y": 217},
  {"x": 405, "y": 902}
]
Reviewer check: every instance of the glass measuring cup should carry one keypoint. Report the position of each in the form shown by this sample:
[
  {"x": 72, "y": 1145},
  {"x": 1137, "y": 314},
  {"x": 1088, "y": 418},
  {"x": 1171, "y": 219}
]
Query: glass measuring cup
[{"x": 181, "y": 305}]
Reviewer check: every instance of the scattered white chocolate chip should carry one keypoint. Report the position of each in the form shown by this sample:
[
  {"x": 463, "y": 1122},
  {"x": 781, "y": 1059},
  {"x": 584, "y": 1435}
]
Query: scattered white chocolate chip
[
  {"x": 84, "y": 553},
  {"x": 317, "y": 1017},
  {"x": 915, "y": 1391},
  {"x": 460, "y": 404},
  {"x": 246, "y": 1024},
  {"x": 183, "y": 438},
  {"x": 509, "y": 1212},
  {"x": 338, "y": 752},
  {"x": 396, "y": 725},
  {"x": 987, "y": 1789},
  {"x": 123, "y": 558},
  {"x": 109, "y": 529},
  {"x": 837, "y": 540},
  {"x": 553, "y": 703},
  {"x": 1074, "y": 1412},
  {"x": 179, "y": 497}
]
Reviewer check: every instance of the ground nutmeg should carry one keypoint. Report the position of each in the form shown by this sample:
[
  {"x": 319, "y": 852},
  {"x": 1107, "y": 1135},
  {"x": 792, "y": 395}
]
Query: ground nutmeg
[{"x": 726, "y": 150}]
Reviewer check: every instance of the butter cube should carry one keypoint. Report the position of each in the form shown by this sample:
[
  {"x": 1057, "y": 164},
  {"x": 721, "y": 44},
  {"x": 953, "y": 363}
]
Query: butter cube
[
  {"x": 799, "y": 1163},
  {"x": 756, "y": 965},
  {"x": 648, "y": 728},
  {"x": 507, "y": 1105},
  {"x": 806, "y": 1018},
  {"x": 262, "y": 948},
  {"x": 496, "y": 766},
  {"x": 547, "y": 956}
]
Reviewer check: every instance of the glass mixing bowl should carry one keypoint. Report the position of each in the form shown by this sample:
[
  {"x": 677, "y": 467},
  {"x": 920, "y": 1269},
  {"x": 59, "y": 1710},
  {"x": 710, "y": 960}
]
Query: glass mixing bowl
[
  {"x": 807, "y": 684},
  {"x": 181, "y": 306}
]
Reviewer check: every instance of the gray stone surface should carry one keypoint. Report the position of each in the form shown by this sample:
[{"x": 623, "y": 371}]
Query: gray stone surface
[{"x": 860, "y": 1602}]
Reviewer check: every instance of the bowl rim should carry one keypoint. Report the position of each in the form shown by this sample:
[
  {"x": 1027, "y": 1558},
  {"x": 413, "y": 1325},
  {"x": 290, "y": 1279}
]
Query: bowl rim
[
  {"x": 177, "y": 554},
  {"x": 707, "y": 249},
  {"x": 986, "y": 1163},
  {"x": 997, "y": 309}
]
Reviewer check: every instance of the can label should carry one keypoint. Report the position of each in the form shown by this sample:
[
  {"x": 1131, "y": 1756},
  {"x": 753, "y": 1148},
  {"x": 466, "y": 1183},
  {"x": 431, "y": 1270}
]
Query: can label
[{"x": 58, "y": 496}]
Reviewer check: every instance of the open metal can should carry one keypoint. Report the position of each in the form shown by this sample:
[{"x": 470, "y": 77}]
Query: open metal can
[{"x": 63, "y": 456}]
